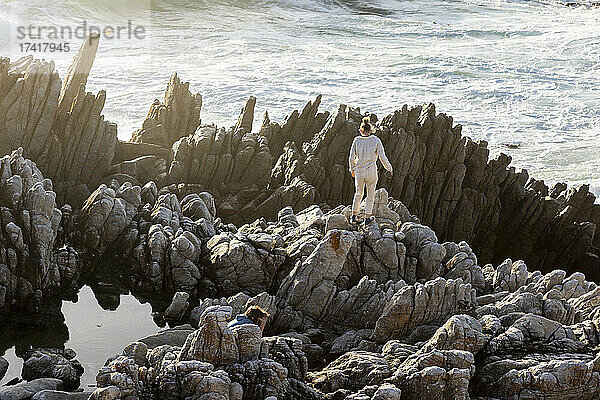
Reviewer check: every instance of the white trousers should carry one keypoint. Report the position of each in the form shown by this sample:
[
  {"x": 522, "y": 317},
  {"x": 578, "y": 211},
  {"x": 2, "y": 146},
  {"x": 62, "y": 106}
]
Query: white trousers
[{"x": 366, "y": 177}]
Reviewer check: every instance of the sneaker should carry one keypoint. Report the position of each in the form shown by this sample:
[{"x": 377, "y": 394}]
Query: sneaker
[
  {"x": 353, "y": 219},
  {"x": 368, "y": 221}
]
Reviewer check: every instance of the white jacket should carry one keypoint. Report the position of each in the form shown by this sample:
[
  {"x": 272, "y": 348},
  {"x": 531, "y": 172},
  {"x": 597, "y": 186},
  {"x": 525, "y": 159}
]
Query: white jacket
[{"x": 364, "y": 153}]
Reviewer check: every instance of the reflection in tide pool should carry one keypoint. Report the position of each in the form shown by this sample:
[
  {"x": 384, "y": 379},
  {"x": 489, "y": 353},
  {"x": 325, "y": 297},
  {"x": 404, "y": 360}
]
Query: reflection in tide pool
[{"x": 94, "y": 333}]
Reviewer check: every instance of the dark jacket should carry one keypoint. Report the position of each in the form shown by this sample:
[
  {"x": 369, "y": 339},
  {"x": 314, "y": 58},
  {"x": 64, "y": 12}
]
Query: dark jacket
[{"x": 240, "y": 319}]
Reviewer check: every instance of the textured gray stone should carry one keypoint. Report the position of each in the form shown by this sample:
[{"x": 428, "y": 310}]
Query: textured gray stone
[
  {"x": 47, "y": 364},
  {"x": 26, "y": 390},
  {"x": 59, "y": 395},
  {"x": 429, "y": 304}
]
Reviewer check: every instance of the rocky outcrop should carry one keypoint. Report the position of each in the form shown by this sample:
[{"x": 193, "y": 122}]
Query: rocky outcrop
[
  {"x": 215, "y": 343},
  {"x": 30, "y": 263},
  {"x": 417, "y": 307},
  {"x": 26, "y": 390},
  {"x": 218, "y": 220},
  {"x": 444, "y": 178},
  {"x": 448, "y": 181},
  {"x": 177, "y": 116},
  {"x": 215, "y": 362},
  {"x": 43, "y": 363},
  {"x": 230, "y": 160},
  {"x": 59, "y": 126}
]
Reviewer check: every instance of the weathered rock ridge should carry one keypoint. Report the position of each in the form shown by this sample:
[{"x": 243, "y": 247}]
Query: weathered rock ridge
[
  {"x": 422, "y": 302},
  {"x": 444, "y": 178}
]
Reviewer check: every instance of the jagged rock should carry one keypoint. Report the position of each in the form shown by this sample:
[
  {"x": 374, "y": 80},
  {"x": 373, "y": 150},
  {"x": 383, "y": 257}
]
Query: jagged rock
[
  {"x": 438, "y": 374},
  {"x": 138, "y": 170},
  {"x": 245, "y": 262},
  {"x": 353, "y": 370},
  {"x": 337, "y": 221},
  {"x": 164, "y": 373},
  {"x": 77, "y": 73},
  {"x": 384, "y": 392},
  {"x": 553, "y": 295},
  {"x": 310, "y": 284},
  {"x": 396, "y": 352},
  {"x": 106, "y": 214},
  {"x": 178, "y": 116},
  {"x": 510, "y": 276},
  {"x": 383, "y": 256},
  {"x": 288, "y": 352},
  {"x": 131, "y": 150},
  {"x": 215, "y": 343},
  {"x": 415, "y": 305},
  {"x": 539, "y": 377},
  {"x": 447, "y": 180},
  {"x": 236, "y": 159},
  {"x": 138, "y": 351},
  {"x": 28, "y": 93},
  {"x": 26, "y": 390},
  {"x": 298, "y": 127},
  {"x": 461, "y": 262},
  {"x": 349, "y": 340},
  {"x": 533, "y": 333},
  {"x": 29, "y": 263},
  {"x": 460, "y": 332},
  {"x": 330, "y": 288},
  {"x": 106, "y": 393},
  {"x": 178, "y": 307},
  {"x": 421, "y": 243},
  {"x": 361, "y": 305},
  {"x": 47, "y": 364}
]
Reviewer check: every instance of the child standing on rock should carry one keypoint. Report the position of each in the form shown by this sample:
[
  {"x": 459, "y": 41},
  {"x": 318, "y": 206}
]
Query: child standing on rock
[{"x": 365, "y": 151}]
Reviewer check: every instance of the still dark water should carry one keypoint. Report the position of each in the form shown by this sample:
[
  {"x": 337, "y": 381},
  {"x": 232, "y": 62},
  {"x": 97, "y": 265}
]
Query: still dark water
[{"x": 93, "y": 332}]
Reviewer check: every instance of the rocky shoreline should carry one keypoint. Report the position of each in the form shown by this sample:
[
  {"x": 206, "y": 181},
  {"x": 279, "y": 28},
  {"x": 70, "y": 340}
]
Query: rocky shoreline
[{"x": 207, "y": 221}]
